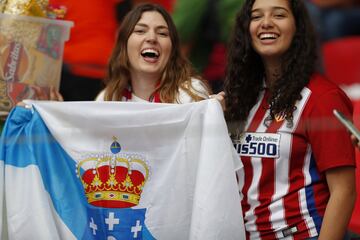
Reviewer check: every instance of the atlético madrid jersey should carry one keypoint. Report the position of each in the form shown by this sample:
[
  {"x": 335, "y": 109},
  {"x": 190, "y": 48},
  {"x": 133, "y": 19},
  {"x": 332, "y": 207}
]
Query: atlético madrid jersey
[{"x": 285, "y": 191}]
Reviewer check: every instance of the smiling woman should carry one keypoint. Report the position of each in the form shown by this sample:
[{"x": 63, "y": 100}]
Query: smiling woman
[
  {"x": 149, "y": 48},
  {"x": 272, "y": 29},
  {"x": 146, "y": 63},
  {"x": 298, "y": 160}
]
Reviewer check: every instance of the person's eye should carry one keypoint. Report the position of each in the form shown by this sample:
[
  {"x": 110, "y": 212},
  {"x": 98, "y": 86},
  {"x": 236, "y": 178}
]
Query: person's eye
[
  {"x": 139, "y": 31},
  {"x": 255, "y": 17},
  {"x": 164, "y": 34},
  {"x": 279, "y": 15}
]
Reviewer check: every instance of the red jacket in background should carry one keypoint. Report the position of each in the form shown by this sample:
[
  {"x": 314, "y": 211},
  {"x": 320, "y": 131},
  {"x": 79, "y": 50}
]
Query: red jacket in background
[{"x": 93, "y": 36}]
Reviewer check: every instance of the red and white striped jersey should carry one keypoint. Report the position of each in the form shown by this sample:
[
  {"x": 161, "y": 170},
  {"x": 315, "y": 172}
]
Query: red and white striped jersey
[{"x": 285, "y": 191}]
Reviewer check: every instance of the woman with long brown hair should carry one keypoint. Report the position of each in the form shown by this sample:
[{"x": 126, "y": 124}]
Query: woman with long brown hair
[{"x": 146, "y": 63}]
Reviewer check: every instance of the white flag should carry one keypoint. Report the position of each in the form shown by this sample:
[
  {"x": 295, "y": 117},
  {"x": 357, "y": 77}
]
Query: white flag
[{"x": 116, "y": 170}]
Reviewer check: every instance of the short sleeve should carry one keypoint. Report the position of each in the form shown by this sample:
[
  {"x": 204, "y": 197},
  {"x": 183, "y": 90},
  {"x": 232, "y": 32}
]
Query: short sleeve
[{"x": 329, "y": 139}]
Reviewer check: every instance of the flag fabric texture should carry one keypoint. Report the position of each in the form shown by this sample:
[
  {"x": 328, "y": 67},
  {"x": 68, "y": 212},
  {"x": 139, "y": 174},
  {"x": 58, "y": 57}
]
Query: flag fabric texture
[{"x": 118, "y": 170}]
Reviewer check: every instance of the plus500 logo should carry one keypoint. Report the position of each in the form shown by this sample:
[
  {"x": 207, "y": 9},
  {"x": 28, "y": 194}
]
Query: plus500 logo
[{"x": 258, "y": 145}]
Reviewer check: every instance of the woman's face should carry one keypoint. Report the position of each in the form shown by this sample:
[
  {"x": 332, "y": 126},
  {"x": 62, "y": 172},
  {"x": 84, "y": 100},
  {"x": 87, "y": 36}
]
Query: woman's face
[
  {"x": 272, "y": 27},
  {"x": 149, "y": 45}
]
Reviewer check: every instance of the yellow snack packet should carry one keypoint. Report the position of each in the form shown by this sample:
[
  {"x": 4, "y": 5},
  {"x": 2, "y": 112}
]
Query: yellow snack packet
[
  {"x": 26, "y": 7},
  {"x": 31, "y": 51}
]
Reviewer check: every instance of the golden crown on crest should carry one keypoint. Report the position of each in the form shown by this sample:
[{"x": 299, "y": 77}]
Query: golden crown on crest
[{"x": 113, "y": 180}]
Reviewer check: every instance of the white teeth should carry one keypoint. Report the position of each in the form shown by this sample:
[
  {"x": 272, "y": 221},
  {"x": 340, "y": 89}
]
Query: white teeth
[
  {"x": 149, "y": 50},
  {"x": 268, "y": 36}
]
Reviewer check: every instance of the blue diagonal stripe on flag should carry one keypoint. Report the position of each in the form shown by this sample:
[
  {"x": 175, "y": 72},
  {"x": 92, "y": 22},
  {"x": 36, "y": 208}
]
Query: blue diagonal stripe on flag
[{"x": 177, "y": 161}]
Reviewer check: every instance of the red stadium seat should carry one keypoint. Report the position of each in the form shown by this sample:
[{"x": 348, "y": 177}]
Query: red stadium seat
[{"x": 341, "y": 60}]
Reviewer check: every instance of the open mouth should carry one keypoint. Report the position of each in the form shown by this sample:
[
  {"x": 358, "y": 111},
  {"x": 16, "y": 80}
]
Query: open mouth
[
  {"x": 150, "y": 53},
  {"x": 268, "y": 36}
]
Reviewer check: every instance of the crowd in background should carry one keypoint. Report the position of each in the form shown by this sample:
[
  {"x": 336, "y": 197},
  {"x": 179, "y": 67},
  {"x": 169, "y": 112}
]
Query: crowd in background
[{"x": 204, "y": 27}]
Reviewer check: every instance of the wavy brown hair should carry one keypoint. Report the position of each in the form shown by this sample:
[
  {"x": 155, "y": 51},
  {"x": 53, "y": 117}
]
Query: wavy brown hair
[
  {"x": 245, "y": 71},
  {"x": 177, "y": 73}
]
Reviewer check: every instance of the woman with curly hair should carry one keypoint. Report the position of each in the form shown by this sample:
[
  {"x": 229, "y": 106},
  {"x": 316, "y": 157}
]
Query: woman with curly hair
[
  {"x": 298, "y": 160},
  {"x": 146, "y": 63}
]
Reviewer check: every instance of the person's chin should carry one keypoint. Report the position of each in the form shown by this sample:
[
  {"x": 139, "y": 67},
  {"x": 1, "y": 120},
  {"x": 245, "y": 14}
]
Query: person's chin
[
  {"x": 151, "y": 70},
  {"x": 270, "y": 54}
]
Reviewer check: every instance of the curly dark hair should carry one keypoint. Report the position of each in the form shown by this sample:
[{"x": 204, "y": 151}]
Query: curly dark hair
[{"x": 245, "y": 70}]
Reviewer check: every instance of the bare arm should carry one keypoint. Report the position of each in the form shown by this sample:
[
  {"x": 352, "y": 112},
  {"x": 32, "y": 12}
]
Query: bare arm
[
  {"x": 341, "y": 182},
  {"x": 52, "y": 95},
  {"x": 40, "y": 94}
]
